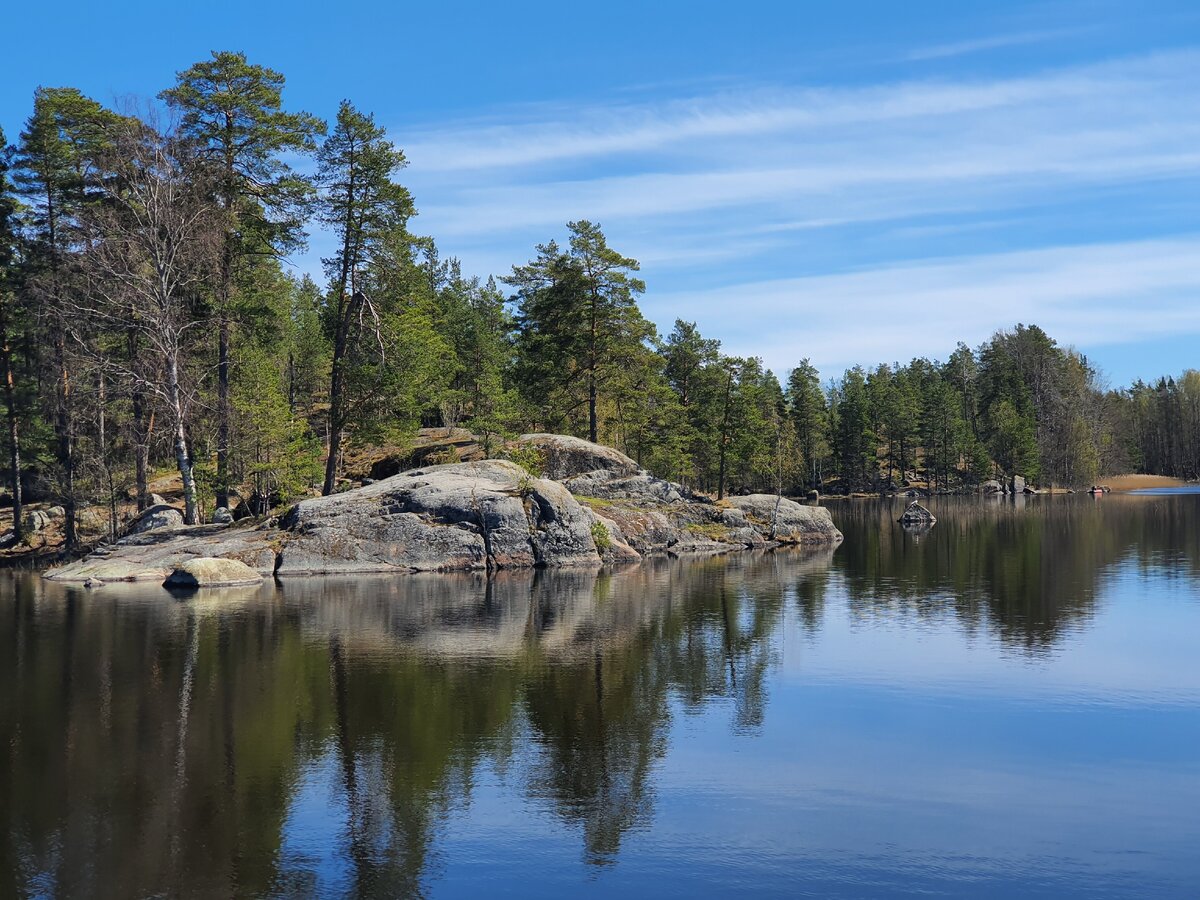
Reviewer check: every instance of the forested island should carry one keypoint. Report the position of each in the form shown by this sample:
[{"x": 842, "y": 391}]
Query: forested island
[{"x": 149, "y": 322}]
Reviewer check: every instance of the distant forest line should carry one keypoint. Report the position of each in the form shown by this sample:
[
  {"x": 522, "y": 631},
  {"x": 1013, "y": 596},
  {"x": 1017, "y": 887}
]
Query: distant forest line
[{"x": 147, "y": 319}]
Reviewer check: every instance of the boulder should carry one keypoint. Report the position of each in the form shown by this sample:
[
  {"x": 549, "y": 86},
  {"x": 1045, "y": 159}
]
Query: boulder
[
  {"x": 92, "y": 519},
  {"x": 35, "y": 521},
  {"x": 480, "y": 515},
  {"x": 152, "y": 518},
  {"x": 1018, "y": 484},
  {"x": 786, "y": 521},
  {"x": 564, "y": 457},
  {"x": 56, "y": 512},
  {"x": 222, "y": 516},
  {"x": 209, "y": 572},
  {"x": 991, "y": 487},
  {"x": 603, "y": 484}
]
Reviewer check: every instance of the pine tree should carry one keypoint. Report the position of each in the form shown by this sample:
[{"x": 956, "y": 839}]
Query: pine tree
[
  {"x": 234, "y": 111},
  {"x": 56, "y": 172},
  {"x": 9, "y": 278},
  {"x": 362, "y": 204},
  {"x": 579, "y": 325}
]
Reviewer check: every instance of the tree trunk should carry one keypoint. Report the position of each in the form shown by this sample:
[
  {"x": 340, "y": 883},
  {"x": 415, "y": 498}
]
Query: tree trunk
[
  {"x": 14, "y": 443},
  {"x": 223, "y": 411},
  {"x": 141, "y": 430},
  {"x": 593, "y": 424},
  {"x": 182, "y": 459},
  {"x": 336, "y": 414},
  {"x": 724, "y": 438},
  {"x": 65, "y": 426}
]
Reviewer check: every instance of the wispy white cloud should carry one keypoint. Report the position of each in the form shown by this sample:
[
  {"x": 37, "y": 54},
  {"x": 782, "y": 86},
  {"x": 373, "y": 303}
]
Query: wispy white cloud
[
  {"x": 543, "y": 134},
  {"x": 1088, "y": 295},
  {"x": 995, "y": 42},
  {"x": 739, "y": 187},
  {"x": 866, "y": 154}
]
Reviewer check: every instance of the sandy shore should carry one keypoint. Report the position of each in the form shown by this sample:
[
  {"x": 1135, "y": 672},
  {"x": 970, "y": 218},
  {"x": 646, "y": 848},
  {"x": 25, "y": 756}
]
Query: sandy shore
[{"x": 1138, "y": 482}]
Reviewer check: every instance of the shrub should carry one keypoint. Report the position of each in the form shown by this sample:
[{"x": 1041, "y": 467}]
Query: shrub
[{"x": 600, "y": 536}]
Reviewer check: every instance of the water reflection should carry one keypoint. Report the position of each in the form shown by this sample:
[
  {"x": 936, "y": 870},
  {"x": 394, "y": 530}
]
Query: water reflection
[
  {"x": 320, "y": 736},
  {"x": 178, "y": 731},
  {"x": 1027, "y": 567}
]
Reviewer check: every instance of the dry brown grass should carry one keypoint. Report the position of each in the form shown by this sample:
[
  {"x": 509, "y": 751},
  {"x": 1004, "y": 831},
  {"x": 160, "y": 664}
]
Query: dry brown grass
[{"x": 1138, "y": 482}]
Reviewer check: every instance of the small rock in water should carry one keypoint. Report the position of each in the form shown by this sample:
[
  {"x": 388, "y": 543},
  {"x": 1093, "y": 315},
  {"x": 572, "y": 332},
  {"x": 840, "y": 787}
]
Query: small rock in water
[{"x": 916, "y": 514}]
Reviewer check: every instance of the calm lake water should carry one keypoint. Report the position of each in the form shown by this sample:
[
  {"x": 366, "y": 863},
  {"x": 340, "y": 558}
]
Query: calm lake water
[{"x": 1008, "y": 705}]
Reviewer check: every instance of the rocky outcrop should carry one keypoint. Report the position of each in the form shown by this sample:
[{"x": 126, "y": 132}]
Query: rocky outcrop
[
  {"x": 648, "y": 515},
  {"x": 430, "y": 446},
  {"x": 483, "y": 515},
  {"x": 786, "y": 521},
  {"x": 153, "y": 555},
  {"x": 211, "y": 572}
]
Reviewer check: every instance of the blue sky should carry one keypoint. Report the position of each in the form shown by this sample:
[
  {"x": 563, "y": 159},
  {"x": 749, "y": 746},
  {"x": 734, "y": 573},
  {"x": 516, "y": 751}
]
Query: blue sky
[{"x": 854, "y": 183}]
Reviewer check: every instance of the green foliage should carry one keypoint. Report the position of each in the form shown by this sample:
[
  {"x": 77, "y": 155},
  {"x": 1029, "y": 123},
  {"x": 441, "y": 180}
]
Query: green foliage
[
  {"x": 397, "y": 337},
  {"x": 234, "y": 110},
  {"x": 530, "y": 458},
  {"x": 600, "y": 537},
  {"x": 279, "y": 454},
  {"x": 579, "y": 333}
]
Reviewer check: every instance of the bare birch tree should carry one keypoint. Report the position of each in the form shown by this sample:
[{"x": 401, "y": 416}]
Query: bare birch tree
[{"x": 152, "y": 246}]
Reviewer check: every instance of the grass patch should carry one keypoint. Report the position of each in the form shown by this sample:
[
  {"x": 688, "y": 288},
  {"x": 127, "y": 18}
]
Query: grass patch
[
  {"x": 594, "y": 502},
  {"x": 710, "y": 530}
]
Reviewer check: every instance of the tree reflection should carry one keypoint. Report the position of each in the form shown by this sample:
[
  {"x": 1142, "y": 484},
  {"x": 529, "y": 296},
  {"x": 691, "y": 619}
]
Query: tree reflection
[
  {"x": 1030, "y": 570},
  {"x": 160, "y": 747}
]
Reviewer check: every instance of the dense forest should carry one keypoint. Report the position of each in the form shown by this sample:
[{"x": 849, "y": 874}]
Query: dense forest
[{"x": 149, "y": 320}]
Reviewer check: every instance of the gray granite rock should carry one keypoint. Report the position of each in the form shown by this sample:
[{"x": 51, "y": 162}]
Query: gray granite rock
[
  {"x": 152, "y": 518},
  {"x": 478, "y": 515}
]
